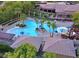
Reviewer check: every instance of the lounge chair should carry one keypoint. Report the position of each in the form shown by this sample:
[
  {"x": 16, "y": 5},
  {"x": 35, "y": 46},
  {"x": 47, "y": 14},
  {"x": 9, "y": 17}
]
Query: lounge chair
[{"x": 65, "y": 36}]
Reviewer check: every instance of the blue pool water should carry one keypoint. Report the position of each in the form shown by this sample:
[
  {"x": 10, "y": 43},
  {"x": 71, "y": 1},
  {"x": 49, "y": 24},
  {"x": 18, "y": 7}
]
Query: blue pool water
[{"x": 29, "y": 30}]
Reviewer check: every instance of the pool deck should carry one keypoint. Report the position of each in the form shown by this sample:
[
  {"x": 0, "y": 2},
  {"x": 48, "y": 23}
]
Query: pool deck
[
  {"x": 58, "y": 23},
  {"x": 44, "y": 34}
]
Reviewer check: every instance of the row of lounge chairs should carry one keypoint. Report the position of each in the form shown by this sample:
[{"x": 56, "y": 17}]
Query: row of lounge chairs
[
  {"x": 10, "y": 22},
  {"x": 6, "y": 36},
  {"x": 72, "y": 37}
]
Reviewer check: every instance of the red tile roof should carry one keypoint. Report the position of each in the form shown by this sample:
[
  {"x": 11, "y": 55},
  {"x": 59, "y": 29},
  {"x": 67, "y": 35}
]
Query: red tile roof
[
  {"x": 36, "y": 42},
  {"x": 60, "y": 7},
  {"x": 63, "y": 47}
]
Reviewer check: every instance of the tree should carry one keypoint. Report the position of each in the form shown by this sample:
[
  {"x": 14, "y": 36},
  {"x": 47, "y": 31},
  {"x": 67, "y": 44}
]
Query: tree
[
  {"x": 75, "y": 27},
  {"x": 24, "y": 51},
  {"x": 43, "y": 20},
  {"x": 51, "y": 25},
  {"x": 22, "y": 17},
  {"x": 15, "y": 7},
  {"x": 37, "y": 14},
  {"x": 77, "y": 52},
  {"x": 37, "y": 21},
  {"x": 75, "y": 17},
  {"x": 8, "y": 11},
  {"x": 49, "y": 55},
  {"x": 28, "y": 7},
  {"x": 12, "y": 10},
  {"x": 17, "y": 12},
  {"x": 5, "y": 48}
]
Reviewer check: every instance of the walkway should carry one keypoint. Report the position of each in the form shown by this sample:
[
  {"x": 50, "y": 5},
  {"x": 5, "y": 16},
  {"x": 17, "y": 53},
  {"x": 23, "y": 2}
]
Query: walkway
[{"x": 64, "y": 23}]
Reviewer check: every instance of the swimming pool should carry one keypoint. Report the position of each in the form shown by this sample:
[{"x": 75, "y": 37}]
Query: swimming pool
[{"x": 30, "y": 29}]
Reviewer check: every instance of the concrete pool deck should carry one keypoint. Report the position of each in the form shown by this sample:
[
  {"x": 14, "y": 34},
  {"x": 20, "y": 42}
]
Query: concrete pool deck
[
  {"x": 58, "y": 23},
  {"x": 45, "y": 34}
]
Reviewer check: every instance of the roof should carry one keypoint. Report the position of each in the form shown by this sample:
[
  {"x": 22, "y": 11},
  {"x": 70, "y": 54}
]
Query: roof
[
  {"x": 63, "y": 47},
  {"x": 60, "y": 7},
  {"x": 35, "y": 41},
  {"x": 6, "y": 35}
]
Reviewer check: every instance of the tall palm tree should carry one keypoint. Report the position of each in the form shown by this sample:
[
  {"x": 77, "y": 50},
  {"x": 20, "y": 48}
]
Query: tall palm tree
[
  {"x": 43, "y": 20},
  {"x": 17, "y": 12},
  {"x": 37, "y": 21},
  {"x": 29, "y": 6},
  {"x": 51, "y": 24},
  {"x": 75, "y": 17},
  {"x": 22, "y": 17},
  {"x": 53, "y": 27}
]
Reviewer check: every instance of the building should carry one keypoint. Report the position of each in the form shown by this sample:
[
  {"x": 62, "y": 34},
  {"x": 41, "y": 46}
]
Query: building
[
  {"x": 36, "y": 42},
  {"x": 65, "y": 48},
  {"x": 61, "y": 9}
]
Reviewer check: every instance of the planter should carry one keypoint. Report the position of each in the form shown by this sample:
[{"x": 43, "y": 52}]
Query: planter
[
  {"x": 76, "y": 28},
  {"x": 37, "y": 29},
  {"x": 20, "y": 25},
  {"x": 41, "y": 30}
]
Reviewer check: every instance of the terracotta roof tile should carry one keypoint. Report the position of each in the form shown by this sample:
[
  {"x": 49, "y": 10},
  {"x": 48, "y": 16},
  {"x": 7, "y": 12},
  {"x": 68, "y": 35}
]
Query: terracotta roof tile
[
  {"x": 63, "y": 47},
  {"x": 60, "y": 7},
  {"x": 31, "y": 40}
]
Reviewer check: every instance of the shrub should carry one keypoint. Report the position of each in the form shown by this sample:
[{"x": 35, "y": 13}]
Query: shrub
[
  {"x": 5, "y": 48},
  {"x": 49, "y": 55},
  {"x": 24, "y": 51},
  {"x": 37, "y": 29},
  {"x": 77, "y": 52},
  {"x": 20, "y": 25}
]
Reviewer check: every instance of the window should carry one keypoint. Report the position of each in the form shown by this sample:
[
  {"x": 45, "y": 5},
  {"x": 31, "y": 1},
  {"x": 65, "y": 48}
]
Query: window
[
  {"x": 45, "y": 10},
  {"x": 68, "y": 16},
  {"x": 41, "y": 9},
  {"x": 49, "y": 10},
  {"x": 53, "y": 11}
]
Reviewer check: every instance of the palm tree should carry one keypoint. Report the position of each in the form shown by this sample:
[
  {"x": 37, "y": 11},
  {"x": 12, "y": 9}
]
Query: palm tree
[
  {"x": 28, "y": 6},
  {"x": 51, "y": 24},
  {"x": 22, "y": 17},
  {"x": 17, "y": 12},
  {"x": 75, "y": 17},
  {"x": 43, "y": 20},
  {"x": 53, "y": 27},
  {"x": 37, "y": 22}
]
